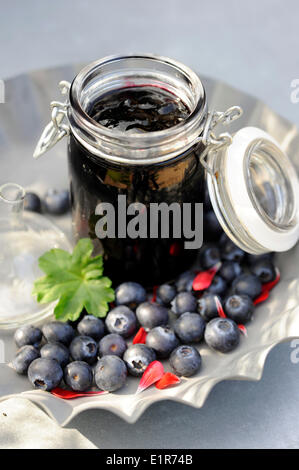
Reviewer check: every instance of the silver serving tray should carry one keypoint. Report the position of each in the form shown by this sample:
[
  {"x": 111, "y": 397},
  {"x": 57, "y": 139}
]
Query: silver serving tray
[{"x": 22, "y": 118}]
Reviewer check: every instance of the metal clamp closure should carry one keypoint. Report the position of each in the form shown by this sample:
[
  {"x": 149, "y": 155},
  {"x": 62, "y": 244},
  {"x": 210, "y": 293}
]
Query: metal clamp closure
[
  {"x": 208, "y": 138},
  {"x": 58, "y": 127}
]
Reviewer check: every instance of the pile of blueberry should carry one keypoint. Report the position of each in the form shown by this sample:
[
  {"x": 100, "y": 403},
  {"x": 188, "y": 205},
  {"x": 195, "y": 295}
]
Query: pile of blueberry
[
  {"x": 176, "y": 318},
  {"x": 55, "y": 202}
]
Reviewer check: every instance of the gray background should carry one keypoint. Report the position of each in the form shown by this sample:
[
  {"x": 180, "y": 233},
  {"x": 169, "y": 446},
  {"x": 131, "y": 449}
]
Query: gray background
[{"x": 252, "y": 45}]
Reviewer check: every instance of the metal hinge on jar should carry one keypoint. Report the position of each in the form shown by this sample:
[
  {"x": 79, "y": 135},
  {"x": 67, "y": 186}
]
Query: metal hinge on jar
[
  {"x": 210, "y": 141},
  {"x": 58, "y": 127}
]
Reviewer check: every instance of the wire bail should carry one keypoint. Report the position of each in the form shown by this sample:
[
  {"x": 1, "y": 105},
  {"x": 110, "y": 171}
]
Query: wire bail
[
  {"x": 209, "y": 140},
  {"x": 58, "y": 127}
]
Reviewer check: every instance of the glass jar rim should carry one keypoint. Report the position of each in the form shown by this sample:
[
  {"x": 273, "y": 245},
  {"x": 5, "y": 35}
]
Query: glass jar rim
[{"x": 88, "y": 131}]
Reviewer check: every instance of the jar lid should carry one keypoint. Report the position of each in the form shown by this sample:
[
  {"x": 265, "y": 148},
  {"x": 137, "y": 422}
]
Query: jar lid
[{"x": 254, "y": 191}]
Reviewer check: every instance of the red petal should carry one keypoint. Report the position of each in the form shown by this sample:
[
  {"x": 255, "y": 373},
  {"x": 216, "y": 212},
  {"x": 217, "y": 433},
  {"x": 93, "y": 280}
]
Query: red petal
[
  {"x": 140, "y": 336},
  {"x": 152, "y": 374},
  {"x": 220, "y": 308},
  {"x": 154, "y": 297},
  {"x": 266, "y": 289},
  {"x": 167, "y": 380},
  {"x": 204, "y": 279},
  {"x": 269, "y": 285},
  {"x": 262, "y": 297},
  {"x": 243, "y": 330},
  {"x": 69, "y": 394}
]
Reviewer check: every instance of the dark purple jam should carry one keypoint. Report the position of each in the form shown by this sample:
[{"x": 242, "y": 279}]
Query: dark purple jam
[
  {"x": 145, "y": 109},
  {"x": 95, "y": 179}
]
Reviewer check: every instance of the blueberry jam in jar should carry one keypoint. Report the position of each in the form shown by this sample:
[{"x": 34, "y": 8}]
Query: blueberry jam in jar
[
  {"x": 140, "y": 135},
  {"x": 144, "y": 109},
  {"x": 147, "y": 119}
]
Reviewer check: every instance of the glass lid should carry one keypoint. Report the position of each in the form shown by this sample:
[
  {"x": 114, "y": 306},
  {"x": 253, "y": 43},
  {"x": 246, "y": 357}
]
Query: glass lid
[{"x": 254, "y": 190}]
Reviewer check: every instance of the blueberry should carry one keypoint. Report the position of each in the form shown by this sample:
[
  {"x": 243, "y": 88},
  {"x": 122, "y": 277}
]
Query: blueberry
[
  {"x": 231, "y": 252},
  {"x": 137, "y": 357},
  {"x": 162, "y": 340},
  {"x": 121, "y": 320},
  {"x": 239, "y": 308},
  {"x": 23, "y": 358},
  {"x": 218, "y": 286},
  {"x": 110, "y": 373},
  {"x": 184, "y": 302},
  {"x": 58, "y": 332},
  {"x": 91, "y": 326},
  {"x": 264, "y": 270},
  {"x": 247, "y": 284},
  {"x": 211, "y": 226},
  {"x": 57, "y": 351},
  {"x": 209, "y": 255},
  {"x": 253, "y": 259},
  {"x": 185, "y": 361},
  {"x": 230, "y": 270},
  {"x": 28, "y": 334},
  {"x": 84, "y": 348},
  {"x": 165, "y": 294},
  {"x": 207, "y": 306},
  {"x": 222, "y": 334},
  {"x": 75, "y": 323},
  {"x": 185, "y": 281},
  {"x": 78, "y": 376},
  {"x": 45, "y": 374},
  {"x": 112, "y": 345},
  {"x": 57, "y": 202},
  {"x": 151, "y": 314},
  {"x": 130, "y": 294},
  {"x": 32, "y": 202},
  {"x": 190, "y": 327},
  {"x": 223, "y": 240}
]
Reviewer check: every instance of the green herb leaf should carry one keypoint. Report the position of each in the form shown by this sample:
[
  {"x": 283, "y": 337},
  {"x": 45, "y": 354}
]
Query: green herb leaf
[{"x": 76, "y": 280}]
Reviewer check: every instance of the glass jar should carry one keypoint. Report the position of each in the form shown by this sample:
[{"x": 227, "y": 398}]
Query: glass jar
[
  {"x": 148, "y": 167},
  {"x": 252, "y": 184}
]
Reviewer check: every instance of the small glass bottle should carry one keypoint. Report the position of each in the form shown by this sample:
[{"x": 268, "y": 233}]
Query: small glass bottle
[{"x": 24, "y": 237}]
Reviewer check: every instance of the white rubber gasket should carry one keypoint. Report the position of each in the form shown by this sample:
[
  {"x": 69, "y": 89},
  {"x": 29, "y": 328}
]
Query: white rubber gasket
[{"x": 271, "y": 239}]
